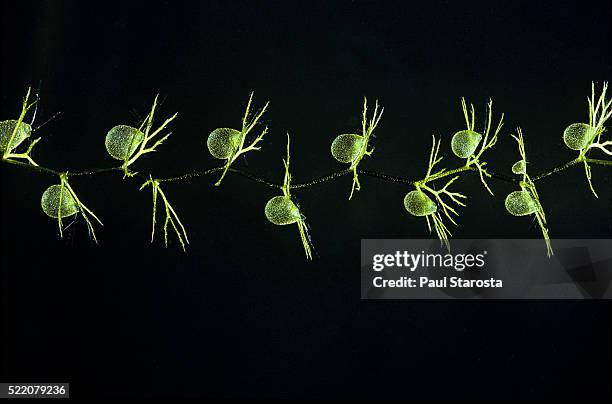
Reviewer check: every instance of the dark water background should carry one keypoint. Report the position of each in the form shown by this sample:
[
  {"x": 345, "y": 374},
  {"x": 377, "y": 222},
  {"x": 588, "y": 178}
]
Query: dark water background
[{"x": 242, "y": 314}]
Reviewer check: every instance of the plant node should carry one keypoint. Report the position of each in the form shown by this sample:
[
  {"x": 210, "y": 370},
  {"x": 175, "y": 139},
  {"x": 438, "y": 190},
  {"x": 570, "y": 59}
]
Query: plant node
[
  {"x": 282, "y": 210},
  {"x": 419, "y": 204},
  {"x": 465, "y": 143},
  {"x": 526, "y": 201},
  {"x": 126, "y": 143},
  {"x": 351, "y": 148},
  {"x": 60, "y": 201},
  {"x": 14, "y": 132},
  {"x": 584, "y": 138},
  {"x": 228, "y": 144},
  {"x": 171, "y": 216}
]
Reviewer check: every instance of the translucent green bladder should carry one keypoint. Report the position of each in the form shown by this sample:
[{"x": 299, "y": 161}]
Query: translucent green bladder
[
  {"x": 465, "y": 142},
  {"x": 281, "y": 210},
  {"x": 520, "y": 203},
  {"x": 577, "y": 135},
  {"x": 122, "y": 141},
  {"x": 6, "y": 131},
  {"x": 520, "y": 167},
  {"x": 417, "y": 203},
  {"x": 57, "y": 202},
  {"x": 347, "y": 147},
  {"x": 223, "y": 142}
]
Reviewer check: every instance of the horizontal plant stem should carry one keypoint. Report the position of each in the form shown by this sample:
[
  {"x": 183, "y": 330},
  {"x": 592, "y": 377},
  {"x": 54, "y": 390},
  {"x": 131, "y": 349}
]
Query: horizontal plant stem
[
  {"x": 319, "y": 180},
  {"x": 569, "y": 164},
  {"x": 51, "y": 171},
  {"x": 307, "y": 184},
  {"x": 196, "y": 174},
  {"x": 39, "y": 169},
  {"x": 94, "y": 171},
  {"x": 599, "y": 162},
  {"x": 557, "y": 169}
]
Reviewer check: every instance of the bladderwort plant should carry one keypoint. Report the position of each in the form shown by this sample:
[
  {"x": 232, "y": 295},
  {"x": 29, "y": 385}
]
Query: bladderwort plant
[
  {"x": 587, "y": 137},
  {"x": 351, "y": 148},
  {"x": 437, "y": 203},
  {"x": 526, "y": 201},
  {"x": 282, "y": 210},
  {"x": 13, "y": 132},
  {"x": 128, "y": 144},
  {"x": 228, "y": 144},
  {"x": 465, "y": 142},
  {"x": 464, "y": 145},
  {"x": 171, "y": 216},
  {"x": 418, "y": 203},
  {"x": 123, "y": 142},
  {"x": 60, "y": 201}
]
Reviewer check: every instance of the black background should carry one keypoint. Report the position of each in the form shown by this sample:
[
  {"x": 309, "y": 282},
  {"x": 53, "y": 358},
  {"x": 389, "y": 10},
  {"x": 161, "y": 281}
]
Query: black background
[{"x": 243, "y": 314}]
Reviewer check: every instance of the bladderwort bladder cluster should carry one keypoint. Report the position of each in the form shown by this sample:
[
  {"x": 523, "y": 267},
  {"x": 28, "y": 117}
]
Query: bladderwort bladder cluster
[{"x": 438, "y": 205}]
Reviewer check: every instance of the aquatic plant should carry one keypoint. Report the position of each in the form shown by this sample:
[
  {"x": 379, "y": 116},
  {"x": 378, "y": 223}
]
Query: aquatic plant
[
  {"x": 526, "y": 201},
  {"x": 228, "y": 144},
  {"x": 60, "y": 201},
  {"x": 424, "y": 198},
  {"x": 585, "y": 138},
  {"x": 13, "y": 132},
  {"x": 351, "y": 148},
  {"x": 281, "y": 210}
]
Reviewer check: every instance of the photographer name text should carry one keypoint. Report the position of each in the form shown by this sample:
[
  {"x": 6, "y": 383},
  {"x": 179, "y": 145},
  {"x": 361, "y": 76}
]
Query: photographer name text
[{"x": 405, "y": 261}]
